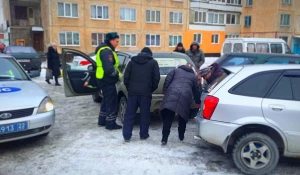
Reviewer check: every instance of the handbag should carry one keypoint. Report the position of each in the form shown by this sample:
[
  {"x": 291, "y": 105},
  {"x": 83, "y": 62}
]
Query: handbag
[
  {"x": 49, "y": 74},
  {"x": 61, "y": 74}
]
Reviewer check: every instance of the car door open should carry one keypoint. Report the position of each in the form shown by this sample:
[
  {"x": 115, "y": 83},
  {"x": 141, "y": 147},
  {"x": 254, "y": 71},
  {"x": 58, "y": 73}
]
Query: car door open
[{"x": 79, "y": 80}]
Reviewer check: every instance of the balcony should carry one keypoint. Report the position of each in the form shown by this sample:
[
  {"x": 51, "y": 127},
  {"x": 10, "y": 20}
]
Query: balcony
[{"x": 27, "y": 22}]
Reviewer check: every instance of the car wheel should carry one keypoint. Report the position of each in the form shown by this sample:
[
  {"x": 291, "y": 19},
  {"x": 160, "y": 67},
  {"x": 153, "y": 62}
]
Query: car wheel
[
  {"x": 122, "y": 108},
  {"x": 255, "y": 153},
  {"x": 97, "y": 98}
]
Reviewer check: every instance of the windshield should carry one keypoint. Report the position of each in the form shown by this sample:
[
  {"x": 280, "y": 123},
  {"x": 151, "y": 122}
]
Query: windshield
[
  {"x": 20, "y": 49},
  {"x": 10, "y": 70}
]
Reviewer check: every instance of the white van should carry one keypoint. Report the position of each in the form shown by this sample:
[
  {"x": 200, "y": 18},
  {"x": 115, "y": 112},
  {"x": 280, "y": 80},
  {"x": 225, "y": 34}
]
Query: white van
[{"x": 259, "y": 45}]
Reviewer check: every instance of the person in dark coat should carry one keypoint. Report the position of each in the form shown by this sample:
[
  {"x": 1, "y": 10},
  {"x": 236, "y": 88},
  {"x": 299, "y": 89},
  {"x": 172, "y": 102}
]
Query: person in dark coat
[
  {"x": 179, "y": 88},
  {"x": 196, "y": 54},
  {"x": 211, "y": 73},
  {"x": 179, "y": 48},
  {"x": 53, "y": 63},
  {"x": 141, "y": 79}
]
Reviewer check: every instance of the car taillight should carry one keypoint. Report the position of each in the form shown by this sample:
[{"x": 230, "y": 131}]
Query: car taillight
[
  {"x": 83, "y": 63},
  {"x": 210, "y": 104}
]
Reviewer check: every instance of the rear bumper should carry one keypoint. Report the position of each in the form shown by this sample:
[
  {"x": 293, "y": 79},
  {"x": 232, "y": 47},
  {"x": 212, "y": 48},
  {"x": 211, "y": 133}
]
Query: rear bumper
[
  {"x": 37, "y": 125},
  {"x": 34, "y": 64}
]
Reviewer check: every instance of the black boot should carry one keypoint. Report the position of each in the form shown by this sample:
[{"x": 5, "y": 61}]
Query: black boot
[
  {"x": 101, "y": 121},
  {"x": 56, "y": 81},
  {"x": 181, "y": 136},
  {"x": 48, "y": 81},
  {"x": 164, "y": 140},
  {"x": 112, "y": 125}
]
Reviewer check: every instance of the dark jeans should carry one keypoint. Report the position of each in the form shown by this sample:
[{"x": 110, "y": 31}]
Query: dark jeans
[
  {"x": 109, "y": 105},
  {"x": 168, "y": 117},
  {"x": 135, "y": 102}
]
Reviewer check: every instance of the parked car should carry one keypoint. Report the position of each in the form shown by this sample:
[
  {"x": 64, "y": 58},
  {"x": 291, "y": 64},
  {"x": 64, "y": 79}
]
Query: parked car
[
  {"x": 29, "y": 59},
  {"x": 255, "y": 45},
  {"x": 26, "y": 110},
  {"x": 75, "y": 78},
  {"x": 253, "y": 112},
  {"x": 234, "y": 59}
]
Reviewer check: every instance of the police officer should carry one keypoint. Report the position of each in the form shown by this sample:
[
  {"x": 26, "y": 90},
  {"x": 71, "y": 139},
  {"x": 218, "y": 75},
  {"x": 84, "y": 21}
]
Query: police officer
[{"x": 107, "y": 75}]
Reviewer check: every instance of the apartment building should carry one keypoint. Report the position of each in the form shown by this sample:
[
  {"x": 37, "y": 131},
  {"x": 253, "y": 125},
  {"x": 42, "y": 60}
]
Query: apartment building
[
  {"x": 272, "y": 19},
  {"x": 211, "y": 21},
  {"x": 82, "y": 24}
]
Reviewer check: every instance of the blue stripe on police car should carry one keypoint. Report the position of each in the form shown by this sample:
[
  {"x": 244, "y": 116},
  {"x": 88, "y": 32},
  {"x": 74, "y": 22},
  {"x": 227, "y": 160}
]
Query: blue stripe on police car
[{"x": 9, "y": 89}]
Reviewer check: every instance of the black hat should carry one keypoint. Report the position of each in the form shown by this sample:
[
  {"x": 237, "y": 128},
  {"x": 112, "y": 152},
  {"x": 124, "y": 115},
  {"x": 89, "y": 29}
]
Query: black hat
[
  {"x": 147, "y": 50},
  {"x": 111, "y": 35},
  {"x": 179, "y": 45}
]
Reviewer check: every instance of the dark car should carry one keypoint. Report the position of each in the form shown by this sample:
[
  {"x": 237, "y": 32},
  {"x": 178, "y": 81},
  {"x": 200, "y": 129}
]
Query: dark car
[
  {"x": 29, "y": 59},
  {"x": 234, "y": 59}
]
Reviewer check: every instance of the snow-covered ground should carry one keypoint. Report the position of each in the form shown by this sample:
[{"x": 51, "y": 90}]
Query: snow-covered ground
[{"x": 77, "y": 146}]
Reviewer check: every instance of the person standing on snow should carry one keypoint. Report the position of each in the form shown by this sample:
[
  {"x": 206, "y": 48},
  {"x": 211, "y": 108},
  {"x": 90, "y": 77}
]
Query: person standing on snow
[
  {"x": 196, "y": 54},
  {"x": 53, "y": 63},
  {"x": 107, "y": 75},
  {"x": 141, "y": 79},
  {"x": 179, "y": 48},
  {"x": 179, "y": 88}
]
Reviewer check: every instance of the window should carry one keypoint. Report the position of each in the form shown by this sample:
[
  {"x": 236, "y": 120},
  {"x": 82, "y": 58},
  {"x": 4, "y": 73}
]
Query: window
[
  {"x": 176, "y": 17},
  {"x": 287, "y": 1},
  {"x": 174, "y": 40},
  {"x": 67, "y": 10},
  {"x": 236, "y": 2},
  {"x": 233, "y": 19},
  {"x": 152, "y": 40},
  {"x": 262, "y": 48},
  {"x": 97, "y": 38},
  {"x": 287, "y": 49},
  {"x": 152, "y": 16},
  {"x": 128, "y": 40},
  {"x": 295, "y": 80},
  {"x": 218, "y": 1},
  {"x": 249, "y": 3},
  {"x": 30, "y": 12},
  {"x": 215, "y": 18},
  {"x": 234, "y": 61},
  {"x": 238, "y": 47},
  {"x": 257, "y": 85},
  {"x": 283, "y": 90},
  {"x": 227, "y": 48},
  {"x": 215, "y": 39},
  {"x": 69, "y": 38},
  {"x": 128, "y": 14},
  {"x": 99, "y": 12},
  {"x": 200, "y": 17},
  {"x": 232, "y": 36},
  {"x": 285, "y": 20},
  {"x": 122, "y": 62},
  {"x": 276, "y": 48},
  {"x": 285, "y": 38},
  {"x": 21, "y": 12},
  {"x": 247, "y": 21},
  {"x": 198, "y": 37},
  {"x": 251, "y": 47}
]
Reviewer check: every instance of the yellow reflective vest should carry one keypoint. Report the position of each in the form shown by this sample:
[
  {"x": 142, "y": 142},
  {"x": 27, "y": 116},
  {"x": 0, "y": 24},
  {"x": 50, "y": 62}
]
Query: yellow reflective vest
[{"x": 100, "y": 70}]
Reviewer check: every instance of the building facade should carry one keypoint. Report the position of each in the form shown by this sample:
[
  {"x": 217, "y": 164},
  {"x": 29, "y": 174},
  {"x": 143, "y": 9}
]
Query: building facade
[
  {"x": 211, "y": 21},
  {"x": 82, "y": 24},
  {"x": 272, "y": 19}
]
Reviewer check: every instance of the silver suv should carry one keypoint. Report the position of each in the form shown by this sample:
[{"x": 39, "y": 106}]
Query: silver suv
[{"x": 254, "y": 112}]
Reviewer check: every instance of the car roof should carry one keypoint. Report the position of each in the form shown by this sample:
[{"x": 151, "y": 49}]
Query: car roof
[
  {"x": 261, "y": 54},
  {"x": 257, "y": 39},
  {"x": 253, "y": 68},
  {"x": 5, "y": 56}
]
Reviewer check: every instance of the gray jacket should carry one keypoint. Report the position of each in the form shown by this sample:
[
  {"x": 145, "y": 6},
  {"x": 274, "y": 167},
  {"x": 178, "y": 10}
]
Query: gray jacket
[{"x": 197, "y": 56}]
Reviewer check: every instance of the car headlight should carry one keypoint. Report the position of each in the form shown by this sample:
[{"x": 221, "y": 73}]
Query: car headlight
[{"x": 46, "y": 105}]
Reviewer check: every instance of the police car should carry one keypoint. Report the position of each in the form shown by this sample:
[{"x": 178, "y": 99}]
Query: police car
[{"x": 26, "y": 110}]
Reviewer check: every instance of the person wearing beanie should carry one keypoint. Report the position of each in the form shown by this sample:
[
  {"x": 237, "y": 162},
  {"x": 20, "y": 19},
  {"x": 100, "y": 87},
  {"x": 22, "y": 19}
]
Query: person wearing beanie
[
  {"x": 107, "y": 74},
  {"x": 196, "y": 54},
  {"x": 179, "y": 48},
  {"x": 141, "y": 79}
]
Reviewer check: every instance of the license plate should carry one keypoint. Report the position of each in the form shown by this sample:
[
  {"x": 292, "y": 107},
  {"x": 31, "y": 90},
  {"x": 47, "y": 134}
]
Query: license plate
[
  {"x": 24, "y": 61},
  {"x": 14, "y": 127}
]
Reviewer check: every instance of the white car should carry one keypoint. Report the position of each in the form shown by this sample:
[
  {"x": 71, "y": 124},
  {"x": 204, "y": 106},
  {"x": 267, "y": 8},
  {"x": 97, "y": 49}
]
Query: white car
[
  {"x": 26, "y": 110},
  {"x": 79, "y": 63}
]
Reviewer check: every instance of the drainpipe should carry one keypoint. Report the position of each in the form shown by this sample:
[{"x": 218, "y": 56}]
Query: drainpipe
[{"x": 50, "y": 19}]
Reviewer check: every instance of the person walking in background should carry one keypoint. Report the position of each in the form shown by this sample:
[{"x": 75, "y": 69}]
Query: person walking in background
[
  {"x": 141, "y": 79},
  {"x": 107, "y": 74},
  {"x": 179, "y": 88},
  {"x": 53, "y": 63},
  {"x": 196, "y": 54},
  {"x": 179, "y": 48}
]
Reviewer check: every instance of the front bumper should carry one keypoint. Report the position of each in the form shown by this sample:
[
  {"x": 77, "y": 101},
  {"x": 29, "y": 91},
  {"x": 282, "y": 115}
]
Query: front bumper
[
  {"x": 215, "y": 132},
  {"x": 37, "y": 125}
]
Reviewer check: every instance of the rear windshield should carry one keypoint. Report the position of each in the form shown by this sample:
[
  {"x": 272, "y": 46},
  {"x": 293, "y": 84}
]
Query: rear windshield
[
  {"x": 10, "y": 70},
  {"x": 168, "y": 62},
  {"x": 209, "y": 87},
  {"x": 19, "y": 49}
]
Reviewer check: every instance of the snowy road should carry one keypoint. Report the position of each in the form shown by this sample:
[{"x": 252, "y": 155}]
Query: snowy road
[{"x": 78, "y": 146}]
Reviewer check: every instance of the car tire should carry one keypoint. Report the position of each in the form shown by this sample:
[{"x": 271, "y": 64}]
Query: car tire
[
  {"x": 97, "y": 98},
  {"x": 122, "y": 108},
  {"x": 255, "y": 153}
]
